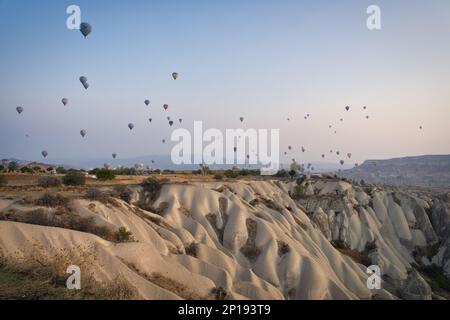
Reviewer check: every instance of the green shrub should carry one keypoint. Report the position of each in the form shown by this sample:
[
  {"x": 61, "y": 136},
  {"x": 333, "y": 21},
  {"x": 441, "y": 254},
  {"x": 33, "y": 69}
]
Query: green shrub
[
  {"x": 282, "y": 174},
  {"x": 74, "y": 178},
  {"x": 49, "y": 169},
  {"x": 61, "y": 170},
  {"x": 26, "y": 170},
  {"x": 13, "y": 166},
  {"x": 2, "y": 168},
  {"x": 47, "y": 182},
  {"x": 230, "y": 174},
  {"x": 123, "y": 235},
  {"x": 105, "y": 174},
  {"x": 299, "y": 192}
]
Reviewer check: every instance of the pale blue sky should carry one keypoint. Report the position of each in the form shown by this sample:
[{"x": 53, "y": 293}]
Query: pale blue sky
[{"x": 264, "y": 60}]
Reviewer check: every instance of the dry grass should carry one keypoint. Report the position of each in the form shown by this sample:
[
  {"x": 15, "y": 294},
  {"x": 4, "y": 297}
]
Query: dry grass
[
  {"x": 52, "y": 200},
  {"x": 34, "y": 275}
]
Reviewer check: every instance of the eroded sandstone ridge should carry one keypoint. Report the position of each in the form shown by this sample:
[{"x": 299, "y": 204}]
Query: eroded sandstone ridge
[{"x": 308, "y": 239}]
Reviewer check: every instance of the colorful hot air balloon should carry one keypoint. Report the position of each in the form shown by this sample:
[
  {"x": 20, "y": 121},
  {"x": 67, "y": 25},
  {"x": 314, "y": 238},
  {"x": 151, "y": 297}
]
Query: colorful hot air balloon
[
  {"x": 347, "y": 108},
  {"x": 170, "y": 123},
  {"x": 165, "y": 106},
  {"x": 349, "y": 155}
]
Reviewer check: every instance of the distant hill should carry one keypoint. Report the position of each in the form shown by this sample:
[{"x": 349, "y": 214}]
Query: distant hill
[{"x": 428, "y": 170}]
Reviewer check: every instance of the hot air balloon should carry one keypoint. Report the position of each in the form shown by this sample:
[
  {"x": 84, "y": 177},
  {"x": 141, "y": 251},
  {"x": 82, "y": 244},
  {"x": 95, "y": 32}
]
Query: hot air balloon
[
  {"x": 289, "y": 147},
  {"x": 84, "y": 82},
  {"x": 19, "y": 109},
  {"x": 349, "y": 155},
  {"x": 165, "y": 106},
  {"x": 175, "y": 75},
  {"x": 341, "y": 119},
  {"x": 337, "y": 152},
  {"x": 44, "y": 153},
  {"x": 107, "y": 166},
  {"x": 180, "y": 120},
  {"x": 420, "y": 127},
  {"x": 147, "y": 102},
  {"x": 285, "y": 153},
  {"x": 303, "y": 149},
  {"x": 364, "y": 107},
  {"x": 65, "y": 101},
  {"x": 367, "y": 117},
  {"x": 163, "y": 140},
  {"x": 242, "y": 119},
  {"x": 329, "y": 126},
  {"x": 150, "y": 119},
  {"x": 347, "y": 108},
  {"x": 356, "y": 164},
  {"x": 130, "y": 126},
  {"x": 114, "y": 155},
  {"x": 83, "y": 133},
  {"x": 341, "y": 162},
  {"x": 323, "y": 156},
  {"x": 235, "y": 149},
  {"x": 170, "y": 123},
  {"x": 85, "y": 29},
  {"x": 168, "y": 118}
]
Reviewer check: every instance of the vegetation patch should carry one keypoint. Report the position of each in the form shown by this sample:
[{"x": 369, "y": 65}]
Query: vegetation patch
[
  {"x": 283, "y": 248},
  {"x": 74, "y": 178},
  {"x": 48, "y": 181},
  {"x": 26, "y": 277},
  {"x": 52, "y": 200},
  {"x": 250, "y": 250}
]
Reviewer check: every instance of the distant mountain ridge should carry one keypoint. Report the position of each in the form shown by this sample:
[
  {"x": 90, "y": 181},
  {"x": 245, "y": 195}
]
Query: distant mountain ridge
[{"x": 426, "y": 171}]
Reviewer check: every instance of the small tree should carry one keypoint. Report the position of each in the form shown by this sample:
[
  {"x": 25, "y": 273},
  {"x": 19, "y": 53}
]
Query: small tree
[
  {"x": 13, "y": 166},
  {"x": 105, "y": 174},
  {"x": 61, "y": 170},
  {"x": 74, "y": 178}
]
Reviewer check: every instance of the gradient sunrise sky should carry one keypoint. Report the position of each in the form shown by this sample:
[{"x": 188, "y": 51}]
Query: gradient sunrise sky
[{"x": 264, "y": 60}]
